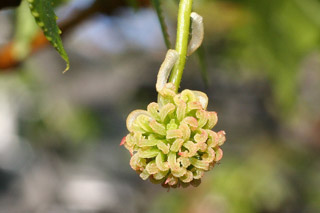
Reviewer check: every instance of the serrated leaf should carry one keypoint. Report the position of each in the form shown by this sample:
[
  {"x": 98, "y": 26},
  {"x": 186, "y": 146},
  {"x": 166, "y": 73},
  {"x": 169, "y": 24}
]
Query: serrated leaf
[
  {"x": 42, "y": 11},
  {"x": 157, "y": 6}
]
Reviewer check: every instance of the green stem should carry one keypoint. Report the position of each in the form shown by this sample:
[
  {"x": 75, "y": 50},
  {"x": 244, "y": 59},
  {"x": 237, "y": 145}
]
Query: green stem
[{"x": 183, "y": 28}]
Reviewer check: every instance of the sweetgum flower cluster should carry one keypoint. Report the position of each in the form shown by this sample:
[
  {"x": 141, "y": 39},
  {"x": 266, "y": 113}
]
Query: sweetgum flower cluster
[{"x": 172, "y": 142}]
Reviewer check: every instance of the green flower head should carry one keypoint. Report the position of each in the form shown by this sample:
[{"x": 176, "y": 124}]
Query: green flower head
[{"x": 172, "y": 142}]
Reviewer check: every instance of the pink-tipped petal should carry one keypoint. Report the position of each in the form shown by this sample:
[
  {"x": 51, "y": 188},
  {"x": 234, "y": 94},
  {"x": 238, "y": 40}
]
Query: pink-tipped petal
[{"x": 123, "y": 141}]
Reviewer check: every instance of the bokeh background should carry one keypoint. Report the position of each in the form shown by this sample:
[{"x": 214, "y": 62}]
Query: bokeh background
[{"x": 60, "y": 133}]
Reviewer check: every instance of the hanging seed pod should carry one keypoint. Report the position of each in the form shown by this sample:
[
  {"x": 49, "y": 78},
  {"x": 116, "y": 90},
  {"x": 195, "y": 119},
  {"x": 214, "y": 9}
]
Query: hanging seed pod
[{"x": 172, "y": 142}]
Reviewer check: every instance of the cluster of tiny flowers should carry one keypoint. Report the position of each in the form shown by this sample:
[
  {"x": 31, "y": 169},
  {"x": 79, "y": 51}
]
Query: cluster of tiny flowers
[{"x": 172, "y": 142}]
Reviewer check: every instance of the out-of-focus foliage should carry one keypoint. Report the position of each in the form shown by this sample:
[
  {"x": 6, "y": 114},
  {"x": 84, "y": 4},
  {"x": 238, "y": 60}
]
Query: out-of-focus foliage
[
  {"x": 26, "y": 28},
  {"x": 263, "y": 65},
  {"x": 46, "y": 119},
  {"x": 158, "y": 8},
  {"x": 270, "y": 39}
]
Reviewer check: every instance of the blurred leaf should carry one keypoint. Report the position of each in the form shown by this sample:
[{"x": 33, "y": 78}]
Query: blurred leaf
[
  {"x": 71, "y": 122},
  {"x": 46, "y": 19},
  {"x": 25, "y": 31},
  {"x": 176, "y": 1},
  {"x": 311, "y": 9},
  {"x": 133, "y": 4},
  {"x": 274, "y": 41},
  {"x": 203, "y": 65},
  {"x": 157, "y": 5}
]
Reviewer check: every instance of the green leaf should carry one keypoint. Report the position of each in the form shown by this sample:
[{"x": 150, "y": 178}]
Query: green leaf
[
  {"x": 42, "y": 11},
  {"x": 157, "y": 6}
]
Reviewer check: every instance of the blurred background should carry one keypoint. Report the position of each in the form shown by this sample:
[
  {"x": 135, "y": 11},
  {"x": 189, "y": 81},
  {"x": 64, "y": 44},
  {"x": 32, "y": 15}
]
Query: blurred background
[{"x": 60, "y": 133}]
